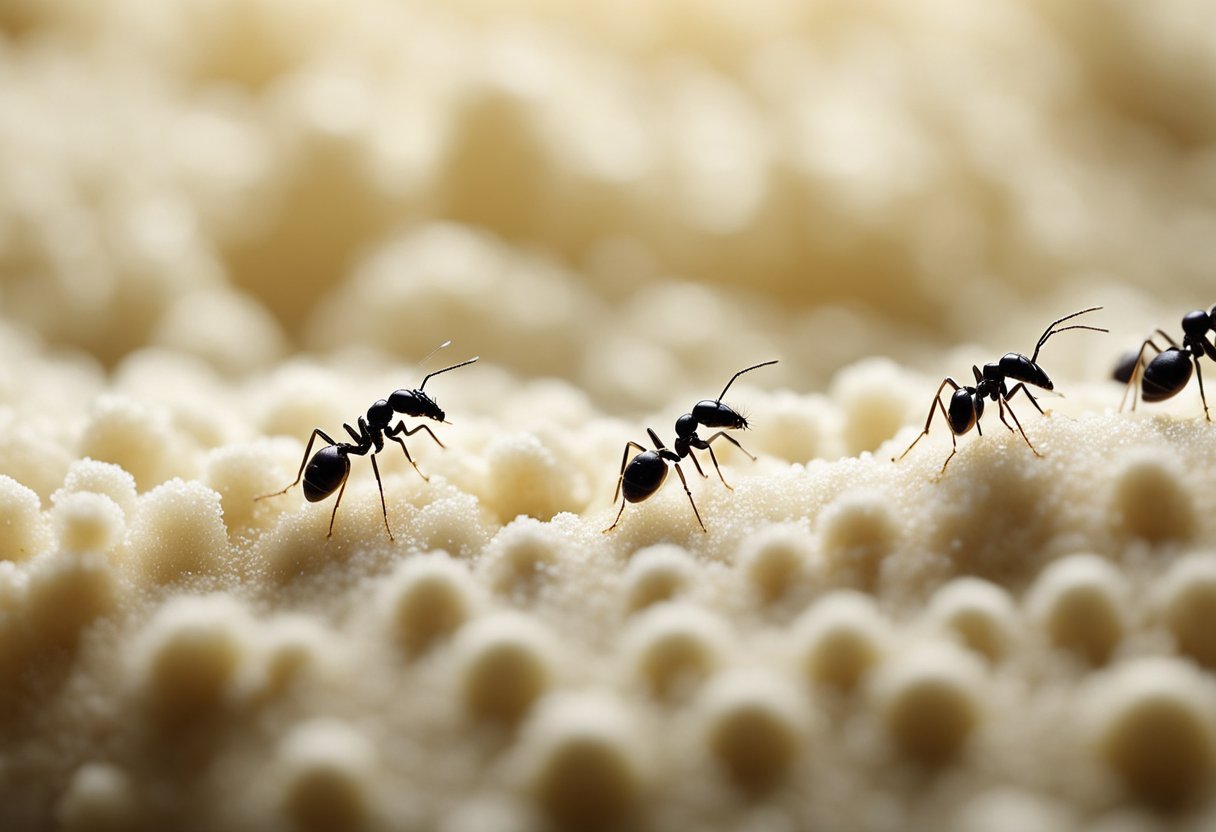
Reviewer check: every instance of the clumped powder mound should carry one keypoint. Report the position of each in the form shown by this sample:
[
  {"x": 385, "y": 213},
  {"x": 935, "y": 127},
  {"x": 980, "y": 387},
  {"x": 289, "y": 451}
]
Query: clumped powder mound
[{"x": 226, "y": 224}]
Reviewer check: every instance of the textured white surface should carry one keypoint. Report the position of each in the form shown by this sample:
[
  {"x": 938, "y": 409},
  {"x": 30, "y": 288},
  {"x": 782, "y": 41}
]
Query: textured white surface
[{"x": 225, "y": 224}]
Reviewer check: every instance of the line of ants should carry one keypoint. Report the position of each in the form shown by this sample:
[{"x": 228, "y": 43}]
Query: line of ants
[{"x": 1156, "y": 379}]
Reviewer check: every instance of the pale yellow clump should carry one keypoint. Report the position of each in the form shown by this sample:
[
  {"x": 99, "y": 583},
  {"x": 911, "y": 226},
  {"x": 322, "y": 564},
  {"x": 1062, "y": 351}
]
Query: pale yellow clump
[
  {"x": 1079, "y": 601},
  {"x": 178, "y": 533},
  {"x": 856, "y": 533},
  {"x": 776, "y": 560},
  {"x": 425, "y": 601},
  {"x": 525, "y": 477},
  {"x": 674, "y": 647},
  {"x": 755, "y": 727},
  {"x": 327, "y": 769},
  {"x": 135, "y": 436},
  {"x": 980, "y": 613},
  {"x": 87, "y": 521},
  {"x": 839, "y": 639},
  {"x": 1186, "y": 605},
  {"x": 1150, "y": 499},
  {"x": 657, "y": 573},
  {"x": 581, "y": 761},
  {"x": 99, "y": 798},
  {"x": 26, "y": 532},
  {"x": 191, "y": 655},
  {"x": 1153, "y": 726},
  {"x": 930, "y": 701},
  {"x": 506, "y": 663}
]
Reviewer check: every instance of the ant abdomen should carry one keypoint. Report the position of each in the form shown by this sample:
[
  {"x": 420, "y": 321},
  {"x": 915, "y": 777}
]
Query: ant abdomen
[
  {"x": 328, "y": 469},
  {"x": 965, "y": 410},
  {"x": 1165, "y": 375},
  {"x": 643, "y": 476}
]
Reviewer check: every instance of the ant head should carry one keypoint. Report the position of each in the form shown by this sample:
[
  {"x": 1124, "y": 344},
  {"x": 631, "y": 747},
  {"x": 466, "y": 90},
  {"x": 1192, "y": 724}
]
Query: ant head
[
  {"x": 715, "y": 414},
  {"x": 379, "y": 414},
  {"x": 686, "y": 426},
  {"x": 415, "y": 403},
  {"x": 1196, "y": 323}
]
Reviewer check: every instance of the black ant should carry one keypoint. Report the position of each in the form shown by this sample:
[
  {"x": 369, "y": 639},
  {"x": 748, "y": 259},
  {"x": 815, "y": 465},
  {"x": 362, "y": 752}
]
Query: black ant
[
  {"x": 967, "y": 403},
  {"x": 642, "y": 476},
  {"x": 1170, "y": 370},
  {"x": 330, "y": 467}
]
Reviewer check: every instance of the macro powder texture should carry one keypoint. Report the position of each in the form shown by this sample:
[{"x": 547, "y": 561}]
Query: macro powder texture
[{"x": 224, "y": 225}]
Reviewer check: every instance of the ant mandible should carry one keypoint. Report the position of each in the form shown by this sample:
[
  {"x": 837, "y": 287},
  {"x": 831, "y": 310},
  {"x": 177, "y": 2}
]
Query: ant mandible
[
  {"x": 1170, "y": 370},
  {"x": 329, "y": 468},
  {"x": 643, "y": 475},
  {"x": 967, "y": 403}
]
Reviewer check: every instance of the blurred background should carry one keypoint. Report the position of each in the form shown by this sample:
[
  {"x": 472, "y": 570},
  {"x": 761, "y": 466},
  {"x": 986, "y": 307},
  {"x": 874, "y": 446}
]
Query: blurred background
[{"x": 626, "y": 194}]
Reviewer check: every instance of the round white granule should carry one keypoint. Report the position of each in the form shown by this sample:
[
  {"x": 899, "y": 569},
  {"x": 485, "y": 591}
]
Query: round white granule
[
  {"x": 527, "y": 477},
  {"x": 130, "y": 434},
  {"x": 23, "y": 529},
  {"x": 1153, "y": 721},
  {"x": 66, "y": 592},
  {"x": 179, "y": 531},
  {"x": 191, "y": 653},
  {"x": 582, "y": 760},
  {"x": 91, "y": 475},
  {"x": 425, "y": 600},
  {"x": 775, "y": 559},
  {"x": 980, "y": 613},
  {"x": 522, "y": 557},
  {"x": 327, "y": 772},
  {"x": 755, "y": 726},
  {"x": 1150, "y": 500},
  {"x": 506, "y": 662},
  {"x": 674, "y": 646},
  {"x": 1080, "y": 602},
  {"x": 87, "y": 521},
  {"x": 99, "y": 798},
  {"x": 657, "y": 573},
  {"x": 929, "y": 700},
  {"x": 856, "y": 533},
  {"x": 1185, "y": 602},
  {"x": 840, "y": 638}
]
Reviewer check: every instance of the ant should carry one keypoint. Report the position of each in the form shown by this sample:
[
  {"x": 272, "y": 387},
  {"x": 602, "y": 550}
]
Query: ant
[
  {"x": 967, "y": 403},
  {"x": 646, "y": 472},
  {"x": 1170, "y": 370},
  {"x": 330, "y": 467}
]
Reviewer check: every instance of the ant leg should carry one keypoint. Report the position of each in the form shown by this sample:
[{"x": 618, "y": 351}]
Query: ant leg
[
  {"x": 697, "y": 464},
  {"x": 1025, "y": 390},
  {"x": 689, "y": 493},
  {"x": 1138, "y": 371},
  {"x": 1202, "y": 397},
  {"x": 953, "y": 451},
  {"x": 334, "y": 513},
  {"x": 618, "y": 518},
  {"x": 937, "y": 403},
  {"x": 714, "y": 458},
  {"x": 732, "y": 441},
  {"x": 406, "y": 450},
  {"x": 299, "y": 474},
  {"x": 1005, "y": 406},
  {"x": 401, "y": 429},
  {"x": 383, "y": 507}
]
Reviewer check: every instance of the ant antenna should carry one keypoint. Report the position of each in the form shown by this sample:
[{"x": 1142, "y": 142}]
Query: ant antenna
[
  {"x": 747, "y": 370},
  {"x": 427, "y": 357},
  {"x": 1051, "y": 330},
  {"x": 445, "y": 369}
]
